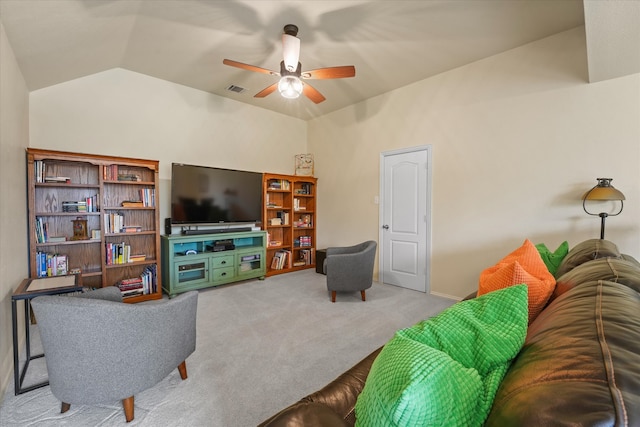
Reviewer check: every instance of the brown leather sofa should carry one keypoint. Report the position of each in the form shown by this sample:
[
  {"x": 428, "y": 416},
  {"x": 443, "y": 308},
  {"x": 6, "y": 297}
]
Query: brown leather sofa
[{"x": 579, "y": 366}]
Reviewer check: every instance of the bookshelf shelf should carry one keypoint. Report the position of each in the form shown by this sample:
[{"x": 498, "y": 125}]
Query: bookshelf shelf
[
  {"x": 79, "y": 204},
  {"x": 289, "y": 200}
]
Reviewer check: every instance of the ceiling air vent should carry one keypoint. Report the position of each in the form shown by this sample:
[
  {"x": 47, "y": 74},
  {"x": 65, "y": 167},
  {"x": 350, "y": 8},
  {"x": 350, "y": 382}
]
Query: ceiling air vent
[{"x": 236, "y": 89}]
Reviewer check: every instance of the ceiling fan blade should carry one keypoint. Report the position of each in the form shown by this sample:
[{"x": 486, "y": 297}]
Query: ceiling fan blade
[
  {"x": 266, "y": 91},
  {"x": 330, "y": 72},
  {"x": 311, "y": 93},
  {"x": 249, "y": 67}
]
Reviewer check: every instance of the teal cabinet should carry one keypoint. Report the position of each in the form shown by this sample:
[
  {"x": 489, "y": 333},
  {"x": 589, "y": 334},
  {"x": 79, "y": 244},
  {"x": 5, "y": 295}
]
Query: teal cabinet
[{"x": 200, "y": 261}]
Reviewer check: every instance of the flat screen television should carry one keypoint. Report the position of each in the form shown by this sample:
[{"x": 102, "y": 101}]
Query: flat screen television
[{"x": 202, "y": 195}]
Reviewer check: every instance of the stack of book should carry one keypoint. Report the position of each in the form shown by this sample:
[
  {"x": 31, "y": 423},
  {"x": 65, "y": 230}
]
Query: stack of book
[
  {"x": 49, "y": 264},
  {"x": 279, "y": 184},
  {"x": 113, "y": 222},
  {"x": 148, "y": 197},
  {"x": 117, "y": 253},
  {"x": 302, "y": 241},
  {"x": 306, "y": 257},
  {"x": 131, "y": 287},
  {"x": 129, "y": 177},
  {"x": 80, "y": 206},
  {"x": 281, "y": 259},
  {"x": 57, "y": 179},
  {"x": 297, "y": 206},
  {"x": 131, "y": 229},
  {"x": 144, "y": 284},
  {"x": 41, "y": 231}
]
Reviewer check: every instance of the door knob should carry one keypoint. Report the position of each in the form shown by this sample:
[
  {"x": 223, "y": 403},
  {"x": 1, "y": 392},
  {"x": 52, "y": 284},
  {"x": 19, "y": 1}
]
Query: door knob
[{"x": 386, "y": 227}]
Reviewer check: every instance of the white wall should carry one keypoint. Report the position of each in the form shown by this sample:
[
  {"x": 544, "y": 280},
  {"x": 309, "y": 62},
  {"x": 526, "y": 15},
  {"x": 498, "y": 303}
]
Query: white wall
[
  {"x": 123, "y": 113},
  {"x": 14, "y": 136},
  {"x": 517, "y": 139}
]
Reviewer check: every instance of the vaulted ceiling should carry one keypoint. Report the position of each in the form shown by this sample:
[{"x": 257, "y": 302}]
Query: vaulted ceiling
[{"x": 390, "y": 43}]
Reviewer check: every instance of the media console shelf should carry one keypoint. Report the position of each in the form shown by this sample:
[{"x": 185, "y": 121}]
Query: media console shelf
[{"x": 200, "y": 261}]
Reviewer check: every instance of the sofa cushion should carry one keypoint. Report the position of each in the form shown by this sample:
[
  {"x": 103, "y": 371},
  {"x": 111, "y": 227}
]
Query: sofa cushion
[
  {"x": 619, "y": 270},
  {"x": 553, "y": 259},
  {"x": 446, "y": 370},
  {"x": 579, "y": 363},
  {"x": 523, "y": 265},
  {"x": 586, "y": 251}
]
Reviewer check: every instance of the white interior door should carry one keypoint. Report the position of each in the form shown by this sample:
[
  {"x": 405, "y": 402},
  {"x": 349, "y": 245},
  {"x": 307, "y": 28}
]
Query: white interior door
[{"x": 404, "y": 218}]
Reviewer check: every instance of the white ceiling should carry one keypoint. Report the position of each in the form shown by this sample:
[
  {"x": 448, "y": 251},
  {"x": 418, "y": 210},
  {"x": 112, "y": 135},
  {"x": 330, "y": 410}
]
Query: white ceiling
[{"x": 390, "y": 43}]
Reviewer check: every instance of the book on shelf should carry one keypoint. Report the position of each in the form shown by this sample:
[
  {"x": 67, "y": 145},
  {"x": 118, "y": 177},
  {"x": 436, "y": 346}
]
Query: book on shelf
[
  {"x": 131, "y": 229},
  {"x": 281, "y": 259},
  {"x": 113, "y": 222},
  {"x": 132, "y": 203},
  {"x": 302, "y": 241},
  {"x": 307, "y": 256},
  {"x": 129, "y": 177},
  {"x": 148, "y": 197},
  {"x": 137, "y": 257},
  {"x": 297, "y": 206},
  {"x": 51, "y": 264},
  {"x": 55, "y": 239},
  {"x": 58, "y": 179},
  {"x": 144, "y": 284},
  {"x": 41, "y": 230},
  {"x": 279, "y": 184},
  {"x": 73, "y": 206},
  {"x": 283, "y": 216}
]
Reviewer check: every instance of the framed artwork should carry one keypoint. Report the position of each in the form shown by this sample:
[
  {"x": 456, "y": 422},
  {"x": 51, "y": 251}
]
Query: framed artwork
[{"x": 304, "y": 164}]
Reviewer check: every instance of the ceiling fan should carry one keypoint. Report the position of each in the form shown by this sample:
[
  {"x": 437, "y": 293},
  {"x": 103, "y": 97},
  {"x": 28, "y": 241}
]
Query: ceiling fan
[{"x": 291, "y": 75}]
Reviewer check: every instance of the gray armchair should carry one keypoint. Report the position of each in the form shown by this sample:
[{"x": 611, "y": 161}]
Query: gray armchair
[
  {"x": 98, "y": 349},
  {"x": 350, "y": 268}
]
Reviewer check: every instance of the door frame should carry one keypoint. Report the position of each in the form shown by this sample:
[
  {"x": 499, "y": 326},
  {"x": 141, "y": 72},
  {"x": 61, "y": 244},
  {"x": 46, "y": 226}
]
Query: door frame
[{"x": 428, "y": 176}]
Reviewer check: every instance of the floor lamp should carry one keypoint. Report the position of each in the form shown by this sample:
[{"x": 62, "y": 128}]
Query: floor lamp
[{"x": 603, "y": 191}]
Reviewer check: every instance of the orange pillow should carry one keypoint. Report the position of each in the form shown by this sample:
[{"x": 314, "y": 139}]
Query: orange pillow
[{"x": 524, "y": 265}]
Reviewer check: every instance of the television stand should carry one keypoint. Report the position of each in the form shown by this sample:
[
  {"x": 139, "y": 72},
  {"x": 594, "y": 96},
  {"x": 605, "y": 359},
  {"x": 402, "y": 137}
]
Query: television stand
[{"x": 200, "y": 261}]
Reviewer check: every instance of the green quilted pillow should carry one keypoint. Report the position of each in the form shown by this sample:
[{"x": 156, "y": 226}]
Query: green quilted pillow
[
  {"x": 445, "y": 371},
  {"x": 553, "y": 259}
]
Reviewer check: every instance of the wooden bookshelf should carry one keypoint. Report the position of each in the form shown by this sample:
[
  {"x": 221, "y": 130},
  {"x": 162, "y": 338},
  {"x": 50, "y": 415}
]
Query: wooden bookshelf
[
  {"x": 289, "y": 218},
  {"x": 75, "y": 196}
]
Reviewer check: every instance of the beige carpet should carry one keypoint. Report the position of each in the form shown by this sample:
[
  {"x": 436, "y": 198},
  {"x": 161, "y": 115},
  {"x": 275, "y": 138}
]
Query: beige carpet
[{"x": 261, "y": 345}]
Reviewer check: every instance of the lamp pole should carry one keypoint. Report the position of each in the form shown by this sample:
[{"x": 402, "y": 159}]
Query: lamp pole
[{"x": 603, "y": 216}]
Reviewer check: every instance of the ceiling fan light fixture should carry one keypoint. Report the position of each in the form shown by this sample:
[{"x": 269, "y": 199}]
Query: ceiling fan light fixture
[
  {"x": 291, "y": 51},
  {"x": 290, "y": 87}
]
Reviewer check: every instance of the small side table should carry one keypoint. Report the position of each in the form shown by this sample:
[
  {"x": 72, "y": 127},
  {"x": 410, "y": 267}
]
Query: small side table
[
  {"x": 321, "y": 254},
  {"x": 29, "y": 289}
]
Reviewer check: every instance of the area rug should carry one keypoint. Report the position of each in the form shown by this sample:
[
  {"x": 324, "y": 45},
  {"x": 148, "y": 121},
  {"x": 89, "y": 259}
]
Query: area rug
[{"x": 261, "y": 345}]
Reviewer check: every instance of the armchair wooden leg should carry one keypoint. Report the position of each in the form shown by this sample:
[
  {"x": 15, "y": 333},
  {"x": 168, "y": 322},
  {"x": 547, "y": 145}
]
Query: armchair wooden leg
[
  {"x": 128, "y": 408},
  {"x": 182, "y": 368},
  {"x": 65, "y": 407},
  {"x": 333, "y": 296},
  {"x": 363, "y": 297}
]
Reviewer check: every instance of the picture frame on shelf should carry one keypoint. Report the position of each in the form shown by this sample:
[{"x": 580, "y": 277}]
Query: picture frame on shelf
[{"x": 304, "y": 164}]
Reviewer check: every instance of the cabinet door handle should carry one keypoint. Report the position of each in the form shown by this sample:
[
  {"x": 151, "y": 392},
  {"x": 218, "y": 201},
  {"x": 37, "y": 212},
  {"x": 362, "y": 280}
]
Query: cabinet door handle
[
  {"x": 224, "y": 274},
  {"x": 223, "y": 262}
]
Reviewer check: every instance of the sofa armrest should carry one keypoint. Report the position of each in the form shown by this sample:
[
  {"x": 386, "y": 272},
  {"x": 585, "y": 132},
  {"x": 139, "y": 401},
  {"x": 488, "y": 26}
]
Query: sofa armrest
[{"x": 331, "y": 406}]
